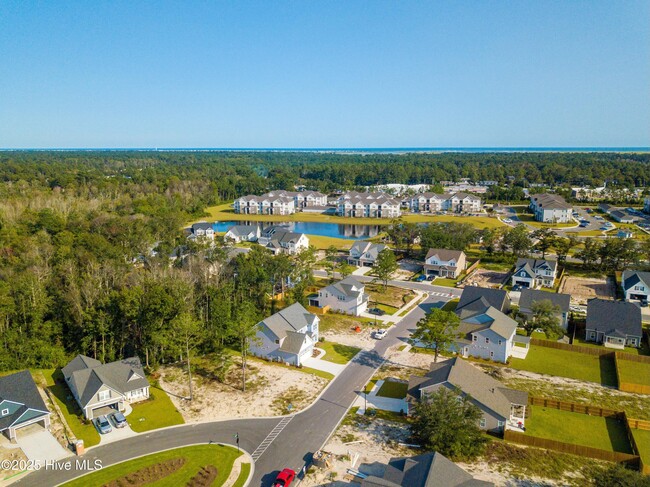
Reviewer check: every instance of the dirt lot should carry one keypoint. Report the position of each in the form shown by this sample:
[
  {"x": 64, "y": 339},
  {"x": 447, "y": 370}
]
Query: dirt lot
[
  {"x": 582, "y": 289},
  {"x": 269, "y": 389},
  {"x": 486, "y": 278}
]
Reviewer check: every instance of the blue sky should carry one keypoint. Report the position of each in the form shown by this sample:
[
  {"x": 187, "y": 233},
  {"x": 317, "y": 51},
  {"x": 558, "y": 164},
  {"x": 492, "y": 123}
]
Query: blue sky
[{"x": 324, "y": 74}]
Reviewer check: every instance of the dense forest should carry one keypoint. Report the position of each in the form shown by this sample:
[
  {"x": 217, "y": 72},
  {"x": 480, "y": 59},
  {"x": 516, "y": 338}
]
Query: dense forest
[{"x": 86, "y": 240}]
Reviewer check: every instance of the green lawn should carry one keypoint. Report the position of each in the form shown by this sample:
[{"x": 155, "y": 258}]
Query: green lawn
[
  {"x": 396, "y": 390},
  {"x": 390, "y": 310},
  {"x": 323, "y": 243},
  {"x": 451, "y": 305},
  {"x": 81, "y": 428},
  {"x": 391, "y": 296},
  {"x": 243, "y": 475},
  {"x": 551, "y": 361},
  {"x": 642, "y": 440},
  {"x": 579, "y": 429},
  {"x": 643, "y": 350},
  {"x": 634, "y": 372},
  {"x": 443, "y": 281},
  {"x": 337, "y": 353},
  {"x": 340, "y": 322},
  {"x": 156, "y": 412},
  {"x": 196, "y": 457}
]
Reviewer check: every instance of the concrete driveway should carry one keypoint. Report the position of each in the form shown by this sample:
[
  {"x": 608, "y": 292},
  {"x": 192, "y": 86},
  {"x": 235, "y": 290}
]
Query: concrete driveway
[
  {"x": 38, "y": 444},
  {"x": 324, "y": 365}
]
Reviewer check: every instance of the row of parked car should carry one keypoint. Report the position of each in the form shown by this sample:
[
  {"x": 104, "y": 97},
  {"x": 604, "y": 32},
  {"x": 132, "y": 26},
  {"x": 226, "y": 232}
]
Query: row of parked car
[
  {"x": 422, "y": 277},
  {"x": 104, "y": 425}
]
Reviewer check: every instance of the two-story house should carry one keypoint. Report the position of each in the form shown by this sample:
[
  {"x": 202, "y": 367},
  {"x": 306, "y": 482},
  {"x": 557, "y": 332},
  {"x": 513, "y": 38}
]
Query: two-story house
[
  {"x": 20, "y": 404},
  {"x": 615, "y": 324},
  {"x": 279, "y": 239},
  {"x": 550, "y": 208},
  {"x": 501, "y": 407},
  {"x": 561, "y": 300},
  {"x": 636, "y": 285},
  {"x": 243, "y": 233},
  {"x": 364, "y": 254},
  {"x": 201, "y": 230},
  {"x": 346, "y": 296},
  {"x": 485, "y": 331},
  {"x": 96, "y": 386},
  {"x": 445, "y": 263},
  {"x": 533, "y": 273},
  {"x": 287, "y": 336}
]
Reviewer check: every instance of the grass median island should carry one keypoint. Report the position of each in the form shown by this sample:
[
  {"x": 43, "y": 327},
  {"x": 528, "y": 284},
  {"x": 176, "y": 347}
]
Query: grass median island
[
  {"x": 243, "y": 475},
  {"x": 191, "y": 462},
  {"x": 83, "y": 429},
  {"x": 578, "y": 429},
  {"x": 562, "y": 363},
  {"x": 337, "y": 353},
  {"x": 156, "y": 412}
]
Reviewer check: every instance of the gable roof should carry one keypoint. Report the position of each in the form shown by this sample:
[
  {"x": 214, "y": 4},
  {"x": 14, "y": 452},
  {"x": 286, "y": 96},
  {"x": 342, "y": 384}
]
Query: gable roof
[
  {"x": 427, "y": 470},
  {"x": 498, "y": 298},
  {"x": 535, "y": 264},
  {"x": 481, "y": 387},
  {"x": 292, "y": 318},
  {"x": 348, "y": 287},
  {"x": 363, "y": 247},
  {"x": 445, "y": 254},
  {"x": 632, "y": 278},
  {"x": 20, "y": 388},
  {"x": 609, "y": 317},
  {"x": 550, "y": 201},
  {"x": 202, "y": 226},
  {"x": 88, "y": 376},
  {"x": 530, "y": 296},
  {"x": 293, "y": 342},
  {"x": 243, "y": 230}
]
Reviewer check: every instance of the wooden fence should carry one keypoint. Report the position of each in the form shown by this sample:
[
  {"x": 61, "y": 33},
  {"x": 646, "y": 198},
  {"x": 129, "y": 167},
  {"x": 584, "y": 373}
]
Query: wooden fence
[
  {"x": 584, "y": 451},
  {"x": 571, "y": 348},
  {"x": 573, "y": 407},
  {"x": 629, "y": 386}
]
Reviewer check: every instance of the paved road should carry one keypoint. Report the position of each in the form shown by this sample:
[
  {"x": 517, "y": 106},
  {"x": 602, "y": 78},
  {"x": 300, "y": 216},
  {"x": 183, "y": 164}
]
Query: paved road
[{"x": 305, "y": 433}]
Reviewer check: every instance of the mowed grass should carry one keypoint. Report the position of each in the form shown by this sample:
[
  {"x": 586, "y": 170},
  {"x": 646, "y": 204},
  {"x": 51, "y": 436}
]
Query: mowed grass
[
  {"x": 443, "y": 281},
  {"x": 574, "y": 365},
  {"x": 634, "y": 372},
  {"x": 196, "y": 457},
  {"x": 391, "y": 296},
  {"x": 578, "y": 429},
  {"x": 156, "y": 412},
  {"x": 224, "y": 212},
  {"x": 338, "y": 353},
  {"x": 83, "y": 429},
  {"x": 243, "y": 475},
  {"x": 323, "y": 243},
  {"x": 396, "y": 390},
  {"x": 642, "y": 440}
]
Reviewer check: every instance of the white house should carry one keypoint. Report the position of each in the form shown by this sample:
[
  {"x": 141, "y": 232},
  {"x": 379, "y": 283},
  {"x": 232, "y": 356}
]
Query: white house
[
  {"x": 287, "y": 336},
  {"x": 97, "y": 386},
  {"x": 636, "y": 285},
  {"x": 243, "y": 233},
  {"x": 532, "y": 273},
  {"x": 347, "y": 296},
  {"x": 444, "y": 263},
  {"x": 201, "y": 230},
  {"x": 455, "y": 202},
  {"x": 550, "y": 208},
  {"x": 364, "y": 254},
  {"x": 279, "y": 239}
]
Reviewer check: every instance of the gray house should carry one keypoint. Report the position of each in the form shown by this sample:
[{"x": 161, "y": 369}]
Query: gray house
[
  {"x": 501, "y": 407},
  {"x": 96, "y": 386},
  {"x": 364, "y": 253},
  {"x": 530, "y": 296},
  {"x": 533, "y": 273},
  {"x": 288, "y": 336},
  {"x": 243, "y": 233},
  {"x": 615, "y": 324},
  {"x": 427, "y": 470},
  {"x": 347, "y": 296},
  {"x": 20, "y": 404},
  {"x": 497, "y": 298}
]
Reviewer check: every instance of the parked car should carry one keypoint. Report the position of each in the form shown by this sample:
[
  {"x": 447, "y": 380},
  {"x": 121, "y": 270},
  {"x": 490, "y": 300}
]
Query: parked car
[
  {"x": 284, "y": 478},
  {"x": 118, "y": 419},
  {"x": 577, "y": 309},
  {"x": 376, "y": 311},
  {"x": 431, "y": 278},
  {"x": 380, "y": 334},
  {"x": 644, "y": 303},
  {"x": 584, "y": 224},
  {"x": 517, "y": 287},
  {"x": 507, "y": 220},
  {"x": 421, "y": 278},
  {"x": 103, "y": 425}
]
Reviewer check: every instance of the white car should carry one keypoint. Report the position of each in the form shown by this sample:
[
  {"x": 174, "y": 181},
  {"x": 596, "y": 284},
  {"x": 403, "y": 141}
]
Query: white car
[
  {"x": 379, "y": 334},
  {"x": 507, "y": 220}
]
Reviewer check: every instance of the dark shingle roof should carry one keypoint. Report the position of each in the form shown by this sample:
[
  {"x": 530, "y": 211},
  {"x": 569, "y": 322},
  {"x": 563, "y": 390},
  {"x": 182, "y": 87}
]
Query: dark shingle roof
[
  {"x": 535, "y": 263},
  {"x": 529, "y": 296},
  {"x": 632, "y": 278},
  {"x": 445, "y": 254},
  {"x": 498, "y": 298},
  {"x": 609, "y": 317},
  {"x": 20, "y": 388}
]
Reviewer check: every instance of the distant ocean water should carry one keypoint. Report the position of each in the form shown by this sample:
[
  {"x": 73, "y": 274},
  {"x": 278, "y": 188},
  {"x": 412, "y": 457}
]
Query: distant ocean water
[{"x": 352, "y": 150}]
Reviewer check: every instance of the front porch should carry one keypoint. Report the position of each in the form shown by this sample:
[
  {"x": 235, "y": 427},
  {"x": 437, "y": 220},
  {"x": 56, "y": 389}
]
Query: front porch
[{"x": 517, "y": 419}]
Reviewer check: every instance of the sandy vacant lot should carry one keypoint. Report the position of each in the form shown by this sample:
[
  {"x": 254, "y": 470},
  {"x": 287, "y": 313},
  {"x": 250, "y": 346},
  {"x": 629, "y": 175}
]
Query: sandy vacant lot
[
  {"x": 486, "y": 278},
  {"x": 582, "y": 289},
  {"x": 270, "y": 389}
]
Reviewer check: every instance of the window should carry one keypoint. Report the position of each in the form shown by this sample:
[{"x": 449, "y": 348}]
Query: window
[
  {"x": 500, "y": 342},
  {"x": 277, "y": 342},
  {"x": 4, "y": 412},
  {"x": 103, "y": 395},
  {"x": 474, "y": 338},
  {"x": 487, "y": 340},
  {"x": 491, "y": 354},
  {"x": 482, "y": 423},
  {"x": 501, "y": 424}
]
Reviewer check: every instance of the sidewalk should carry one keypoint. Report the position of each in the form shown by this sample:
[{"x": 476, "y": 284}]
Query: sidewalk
[{"x": 323, "y": 365}]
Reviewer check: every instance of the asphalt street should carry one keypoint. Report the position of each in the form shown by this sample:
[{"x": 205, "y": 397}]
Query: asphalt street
[{"x": 304, "y": 434}]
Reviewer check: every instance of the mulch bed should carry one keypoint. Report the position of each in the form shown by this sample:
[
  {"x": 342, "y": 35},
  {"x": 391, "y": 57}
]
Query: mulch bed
[
  {"x": 204, "y": 478},
  {"x": 149, "y": 474}
]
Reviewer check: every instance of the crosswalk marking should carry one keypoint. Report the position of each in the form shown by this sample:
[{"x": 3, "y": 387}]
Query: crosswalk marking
[{"x": 275, "y": 432}]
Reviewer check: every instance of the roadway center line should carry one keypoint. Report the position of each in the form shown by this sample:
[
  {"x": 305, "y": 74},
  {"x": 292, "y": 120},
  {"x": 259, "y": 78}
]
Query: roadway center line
[{"x": 259, "y": 451}]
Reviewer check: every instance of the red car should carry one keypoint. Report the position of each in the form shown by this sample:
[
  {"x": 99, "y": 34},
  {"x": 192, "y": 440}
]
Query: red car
[{"x": 284, "y": 478}]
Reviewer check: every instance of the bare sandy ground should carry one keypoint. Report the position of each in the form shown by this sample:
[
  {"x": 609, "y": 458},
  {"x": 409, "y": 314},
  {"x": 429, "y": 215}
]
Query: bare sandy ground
[{"x": 270, "y": 389}]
